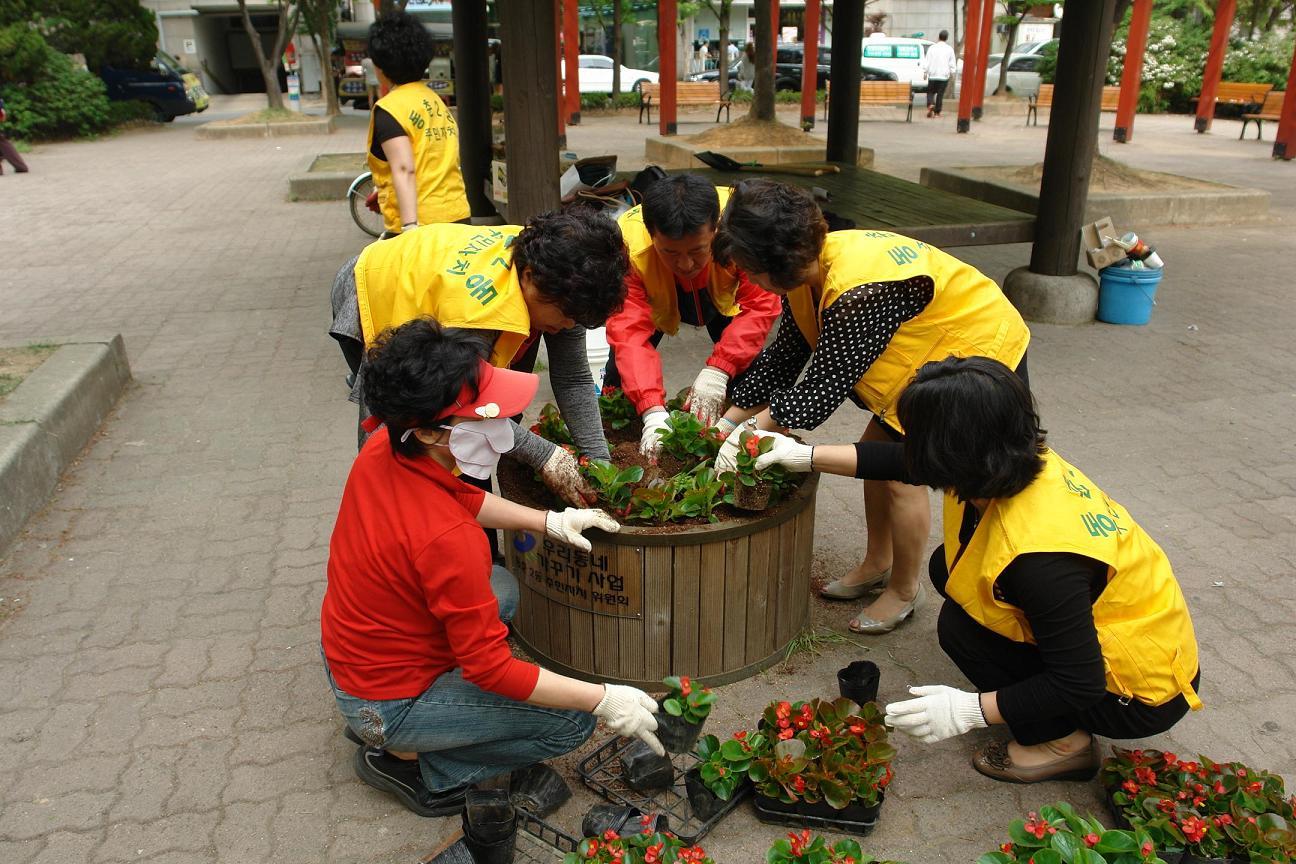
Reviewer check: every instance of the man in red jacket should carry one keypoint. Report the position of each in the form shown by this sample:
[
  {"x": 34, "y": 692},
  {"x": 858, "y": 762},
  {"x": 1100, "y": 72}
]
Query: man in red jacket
[{"x": 672, "y": 279}]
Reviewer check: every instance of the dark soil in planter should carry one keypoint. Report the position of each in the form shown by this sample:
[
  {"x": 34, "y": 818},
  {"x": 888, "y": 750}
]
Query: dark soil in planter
[
  {"x": 752, "y": 497},
  {"x": 645, "y": 771},
  {"x": 858, "y": 682},
  {"x": 706, "y": 805},
  {"x": 855, "y": 819},
  {"x": 676, "y": 734}
]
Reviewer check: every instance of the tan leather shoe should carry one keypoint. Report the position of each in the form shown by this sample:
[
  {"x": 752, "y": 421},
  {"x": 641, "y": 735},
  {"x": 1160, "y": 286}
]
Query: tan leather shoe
[
  {"x": 839, "y": 590},
  {"x": 873, "y": 627},
  {"x": 993, "y": 760}
]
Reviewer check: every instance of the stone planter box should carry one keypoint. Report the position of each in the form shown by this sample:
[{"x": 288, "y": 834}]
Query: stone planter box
[
  {"x": 672, "y": 153},
  {"x": 218, "y": 129}
]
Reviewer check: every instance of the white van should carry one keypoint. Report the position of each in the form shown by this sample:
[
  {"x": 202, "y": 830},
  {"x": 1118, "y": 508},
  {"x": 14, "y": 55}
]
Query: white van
[{"x": 898, "y": 54}]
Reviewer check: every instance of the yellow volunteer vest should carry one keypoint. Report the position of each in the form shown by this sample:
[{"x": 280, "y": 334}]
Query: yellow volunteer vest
[
  {"x": 1148, "y": 645},
  {"x": 967, "y": 317},
  {"x": 659, "y": 281},
  {"x": 461, "y": 275},
  {"x": 434, "y": 137}
]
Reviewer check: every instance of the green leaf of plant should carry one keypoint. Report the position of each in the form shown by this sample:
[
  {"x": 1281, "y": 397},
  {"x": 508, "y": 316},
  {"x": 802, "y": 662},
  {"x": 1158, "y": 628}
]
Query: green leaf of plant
[
  {"x": 1065, "y": 843},
  {"x": 1116, "y": 841},
  {"x": 1048, "y": 856},
  {"x": 996, "y": 858},
  {"x": 673, "y": 707},
  {"x": 1021, "y": 837}
]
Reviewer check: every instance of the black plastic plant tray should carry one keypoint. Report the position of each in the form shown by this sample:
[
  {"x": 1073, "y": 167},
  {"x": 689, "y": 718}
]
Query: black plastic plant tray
[
  {"x": 601, "y": 772},
  {"x": 538, "y": 842},
  {"x": 802, "y": 820}
]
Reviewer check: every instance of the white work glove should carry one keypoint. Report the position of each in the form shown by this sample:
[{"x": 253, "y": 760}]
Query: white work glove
[
  {"x": 562, "y": 475},
  {"x": 707, "y": 398},
  {"x": 629, "y": 712},
  {"x": 727, "y": 458},
  {"x": 568, "y": 525},
  {"x": 938, "y": 713},
  {"x": 788, "y": 452},
  {"x": 649, "y": 441}
]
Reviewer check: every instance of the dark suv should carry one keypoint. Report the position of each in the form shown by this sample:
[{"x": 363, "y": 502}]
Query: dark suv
[{"x": 790, "y": 60}]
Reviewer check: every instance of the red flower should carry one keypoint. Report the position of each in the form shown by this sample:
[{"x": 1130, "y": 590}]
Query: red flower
[
  {"x": 858, "y": 728},
  {"x": 801, "y": 722},
  {"x": 645, "y": 821},
  {"x": 1035, "y": 825},
  {"x": 785, "y": 734},
  {"x": 1190, "y": 767},
  {"x": 653, "y": 853},
  {"x": 783, "y": 709},
  {"x": 753, "y": 447},
  {"x": 1254, "y": 786},
  {"x": 798, "y": 783},
  {"x": 740, "y": 735},
  {"x": 1130, "y": 786},
  {"x": 609, "y": 834},
  {"x": 1224, "y": 819},
  {"x": 1194, "y": 828},
  {"x": 686, "y": 686},
  {"x": 1146, "y": 848},
  {"x": 535, "y": 428},
  {"x": 1241, "y": 772},
  {"x": 593, "y": 849},
  {"x": 1165, "y": 805},
  {"x": 1091, "y": 840},
  {"x": 1146, "y": 776},
  {"x": 886, "y": 778},
  {"x": 1199, "y": 801},
  {"x": 798, "y": 842},
  {"x": 1006, "y": 848},
  {"x": 1169, "y": 758},
  {"x": 1219, "y": 788}
]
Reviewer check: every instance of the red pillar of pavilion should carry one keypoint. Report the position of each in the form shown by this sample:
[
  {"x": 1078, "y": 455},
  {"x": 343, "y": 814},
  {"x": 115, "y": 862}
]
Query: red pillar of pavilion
[
  {"x": 971, "y": 51},
  {"x": 558, "y": 67},
  {"x": 983, "y": 56},
  {"x": 571, "y": 59},
  {"x": 810, "y": 61},
  {"x": 666, "y": 114},
  {"x": 1285, "y": 142},
  {"x": 1214, "y": 64},
  {"x": 1132, "y": 76},
  {"x": 774, "y": 26}
]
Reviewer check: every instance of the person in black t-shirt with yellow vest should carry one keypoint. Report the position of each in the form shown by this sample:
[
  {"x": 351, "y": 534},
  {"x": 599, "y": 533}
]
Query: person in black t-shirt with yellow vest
[
  {"x": 413, "y": 139},
  {"x": 1059, "y": 608}
]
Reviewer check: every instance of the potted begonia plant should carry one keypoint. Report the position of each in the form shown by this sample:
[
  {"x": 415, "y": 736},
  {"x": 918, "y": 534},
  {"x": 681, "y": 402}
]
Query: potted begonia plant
[{"x": 684, "y": 709}]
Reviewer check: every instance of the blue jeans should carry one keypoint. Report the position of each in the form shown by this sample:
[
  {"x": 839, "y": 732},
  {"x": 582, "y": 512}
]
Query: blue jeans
[{"x": 464, "y": 734}]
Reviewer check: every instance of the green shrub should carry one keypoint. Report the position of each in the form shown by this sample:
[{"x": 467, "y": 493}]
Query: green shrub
[
  {"x": 128, "y": 111},
  {"x": 1263, "y": 61},
  {"x": 22, "y": 53},
  {"x": 594, "y": 101},
  {"x": 64, "y": 101}
]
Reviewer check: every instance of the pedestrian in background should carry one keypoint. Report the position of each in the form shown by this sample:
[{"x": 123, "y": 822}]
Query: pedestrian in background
[
  {"x": 747, "y": 68},
  {"x": 7, "y": 150},
  {"x": 939, "y": 68}
]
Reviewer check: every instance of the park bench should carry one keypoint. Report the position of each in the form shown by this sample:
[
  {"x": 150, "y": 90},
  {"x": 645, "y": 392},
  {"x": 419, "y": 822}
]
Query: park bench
[
  {"x": 686, "y": 93},
  {"x": 1270, "y": 110},
  {"x": 1044, "y": 99},
  {"x": 881, "y": 93}
]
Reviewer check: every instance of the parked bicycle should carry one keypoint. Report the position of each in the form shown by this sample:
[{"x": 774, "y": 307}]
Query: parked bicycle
[{"x": 362, "y": 198}]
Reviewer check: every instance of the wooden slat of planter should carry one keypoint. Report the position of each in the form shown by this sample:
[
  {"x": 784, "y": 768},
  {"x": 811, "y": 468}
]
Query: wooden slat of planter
[
  {"x": 684, "y": 603},
  {"x": 711, "y": 610},
  {"x": 804, "y": 557},
  {"x": 657, "y": 612},
  {"x": 786, "y": 624},
  {"x": 559, "y": 618},
  {"x": 735, "y": 607},
  {"x": 758, "y": 596},
  {"x": 581, "y": 625},
  {"x": 628, "y": 632}
]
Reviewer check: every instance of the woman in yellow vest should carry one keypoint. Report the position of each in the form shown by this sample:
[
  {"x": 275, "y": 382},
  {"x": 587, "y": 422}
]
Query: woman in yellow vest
[
  {"x": 560, "y": 274},
  {"x": 1060, "y": 609},
  {"x": 413, "y": 139},
  {"x": 673, "y": 280},
  {"x": 864, "y": 310}
]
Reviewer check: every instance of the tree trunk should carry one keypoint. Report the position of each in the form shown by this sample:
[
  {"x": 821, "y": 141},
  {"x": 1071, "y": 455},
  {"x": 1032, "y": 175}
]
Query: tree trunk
[
  {"x": 762, "y": 107},
  {"x": 331, "y": 106},
  {"x": 1007, "y": 55},
  {"x": 957, "y": 41},
  {"x": 274, "y": 96},
  {"x": 723, "y": 60},
  {"x": 616, "y": 48}
]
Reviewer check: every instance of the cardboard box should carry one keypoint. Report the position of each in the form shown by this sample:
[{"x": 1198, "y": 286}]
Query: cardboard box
[
  {"x": 1100, "y": 256},
  {"x": 499, "y": 181}
]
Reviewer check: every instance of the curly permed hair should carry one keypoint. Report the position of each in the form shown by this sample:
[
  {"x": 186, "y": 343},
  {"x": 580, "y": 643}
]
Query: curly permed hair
[
  {"x": 770, "y": 227},
  {"x": 578, "y": 262},
  {"x": 400, "y": 47}
]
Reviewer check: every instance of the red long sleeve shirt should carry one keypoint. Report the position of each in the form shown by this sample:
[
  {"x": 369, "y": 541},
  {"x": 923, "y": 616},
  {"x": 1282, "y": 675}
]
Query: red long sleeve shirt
[
  {"x": 629, "y": 333},
  {"x": 408, "y": 596}
]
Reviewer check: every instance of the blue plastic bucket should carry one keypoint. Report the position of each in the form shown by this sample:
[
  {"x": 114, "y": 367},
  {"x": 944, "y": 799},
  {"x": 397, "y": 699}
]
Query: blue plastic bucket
[{"x": 1126, "y": 295}]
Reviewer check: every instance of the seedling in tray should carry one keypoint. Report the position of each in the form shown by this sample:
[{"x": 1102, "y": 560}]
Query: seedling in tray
[
  {"x": 802, "y": 847},
  {"x": 644, "y": 848},
  {"x": 686, "y": 707},
  {"x": 724, "y": 766}
]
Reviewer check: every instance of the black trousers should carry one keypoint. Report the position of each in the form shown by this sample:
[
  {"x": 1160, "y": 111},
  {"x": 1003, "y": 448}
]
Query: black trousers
[
  {"x": 710, "y": 318},
  {"x": 936, "y": 93},
  {"x": 992, "y": 662},
  {"x": 9, "y": 153}
]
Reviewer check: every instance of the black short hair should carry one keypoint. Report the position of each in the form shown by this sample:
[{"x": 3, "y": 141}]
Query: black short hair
[
  {"x": 943, "y": 35},
  {"x": 771, "y": 227},
  {"x": 413, "y": 372},
  {"x": 400, "y": 47},
  {"x": 578, "y": 262},
  {"x": 680, "y": 205},
  {"x": 971, "y": 428}
]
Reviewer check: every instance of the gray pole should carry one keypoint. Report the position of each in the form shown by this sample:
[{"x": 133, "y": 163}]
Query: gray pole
[
  {"x": 473, "y": 100},
  {"x": 843, "y": 101}
]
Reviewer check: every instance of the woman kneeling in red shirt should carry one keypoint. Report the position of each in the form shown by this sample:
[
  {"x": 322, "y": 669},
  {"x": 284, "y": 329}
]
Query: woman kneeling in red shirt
[{"x": 413, "y": 618}]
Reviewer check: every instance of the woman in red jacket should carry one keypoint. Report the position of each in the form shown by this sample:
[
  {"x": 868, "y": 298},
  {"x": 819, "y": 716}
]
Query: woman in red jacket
[{"x": 413, "y": 620}]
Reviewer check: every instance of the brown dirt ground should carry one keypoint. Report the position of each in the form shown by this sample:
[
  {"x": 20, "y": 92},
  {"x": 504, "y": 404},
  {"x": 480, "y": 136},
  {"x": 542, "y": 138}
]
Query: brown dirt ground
[
  {"x": 17, "y": 363},
  {"x": 268, "y": 115},
  {"x": 340, "y": 163},
  {"x": 754, "y": 133},
  {"x": 1108, "y": 176}
]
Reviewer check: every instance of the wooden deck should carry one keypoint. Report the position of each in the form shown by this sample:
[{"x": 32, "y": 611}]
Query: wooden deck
[{"x": 880, "y": 201}]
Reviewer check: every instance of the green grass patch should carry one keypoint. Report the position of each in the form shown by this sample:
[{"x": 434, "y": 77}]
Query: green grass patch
[{"x": 814, "y": 640}]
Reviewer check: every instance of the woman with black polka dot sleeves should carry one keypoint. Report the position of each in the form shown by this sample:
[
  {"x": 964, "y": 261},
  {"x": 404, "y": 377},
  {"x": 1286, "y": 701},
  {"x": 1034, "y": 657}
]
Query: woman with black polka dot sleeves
[{"x": 864, "y": 310}]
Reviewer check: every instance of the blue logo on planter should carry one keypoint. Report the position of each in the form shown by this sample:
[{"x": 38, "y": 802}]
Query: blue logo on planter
[{"x": 524, "y": 542}]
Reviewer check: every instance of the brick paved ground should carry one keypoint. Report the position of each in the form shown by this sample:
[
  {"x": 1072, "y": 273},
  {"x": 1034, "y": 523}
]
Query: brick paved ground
[{"x": 163, "y": 696}]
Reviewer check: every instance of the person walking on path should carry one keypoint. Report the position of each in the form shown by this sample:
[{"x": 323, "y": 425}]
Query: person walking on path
[
  {"x": 747, "y": 68},
  {"x": 509, "y": 285},
  {"x": 8, "y": 152},
  {"x": 673, "y": 280},
  {"x": 413, "y": 621},
  {"x": 1059, "y": 608},
  {"x": 939, "y": 67},
  {"x": 413, "y": 138},
  {"x": 864, "y": 310}
]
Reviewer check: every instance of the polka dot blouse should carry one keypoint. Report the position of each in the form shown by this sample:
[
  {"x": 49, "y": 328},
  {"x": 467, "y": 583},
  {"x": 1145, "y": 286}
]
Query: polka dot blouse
[{"x": 856, "y": 329}]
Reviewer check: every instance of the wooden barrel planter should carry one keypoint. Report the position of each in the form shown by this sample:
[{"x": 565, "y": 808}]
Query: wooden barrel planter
[{"x": 719, "y": 602}]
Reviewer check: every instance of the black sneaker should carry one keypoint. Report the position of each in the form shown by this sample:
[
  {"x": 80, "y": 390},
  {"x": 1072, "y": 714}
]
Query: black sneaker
[{"x": 401, "y": 777}]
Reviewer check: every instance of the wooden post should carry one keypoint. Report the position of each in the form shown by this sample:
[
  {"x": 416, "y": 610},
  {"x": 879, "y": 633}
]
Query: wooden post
[
  {"x": 774, "y": 28},
  {"x": 971, "y": 51},
  {"x": 571, "y": 59},
  {"x": 473, "y": 100},
  {"x": 843, "y": 101},
  {"x": 1072, "y": 135},
  {"x": 1285, "y": 141},
  {"x": 810, "y": 63},
  {"x": 1214, "y": 64},
  {"x": 666, "y": 69},
  {"x": 531, "y": 112},
  {"x": 1132, "y": 76},
  {"x": 983, "y": 56},
  {"x": 556, "y": 13}
]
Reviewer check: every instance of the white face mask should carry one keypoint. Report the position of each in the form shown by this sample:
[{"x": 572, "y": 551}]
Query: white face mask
[{"x": 476, "y": 445}]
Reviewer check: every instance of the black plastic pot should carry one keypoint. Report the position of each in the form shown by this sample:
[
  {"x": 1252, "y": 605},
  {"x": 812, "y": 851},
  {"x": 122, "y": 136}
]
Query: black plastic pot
[
  {"x": 676, "y": 734},
  {"x": 538, "y": 789},
  {"x": 645, "y": 771},
  {"x": 706, "y": 805},
  {"x": 1117, "y": 812},
  {"x": 854, "y": 819},
  {"x": 852, "y": 812},
  {"x": 858, "y": 682},
  {"x": 1175, "y": 856},
  {"x": 752, "y": 497},
  {"x": 489, "y": 826},
  {"x": 621, "y": 819}
]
